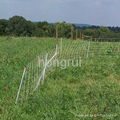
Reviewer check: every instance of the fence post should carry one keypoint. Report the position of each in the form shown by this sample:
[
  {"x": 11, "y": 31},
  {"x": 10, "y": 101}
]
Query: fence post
[
  {"x": 20, "y": 85},
  {"x": 45, "y": 68},
  {"x": 61, "y": 46},
  {"x": 88, "y": 48}
]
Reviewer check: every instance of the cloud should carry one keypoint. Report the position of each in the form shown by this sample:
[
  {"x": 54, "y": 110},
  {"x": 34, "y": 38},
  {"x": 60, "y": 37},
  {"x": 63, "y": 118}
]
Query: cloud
[{"x": 102, "y": 12}]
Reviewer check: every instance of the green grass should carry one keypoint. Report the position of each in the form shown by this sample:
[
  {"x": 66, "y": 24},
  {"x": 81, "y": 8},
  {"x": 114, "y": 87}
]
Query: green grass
[{"x": 93, "y": 88}]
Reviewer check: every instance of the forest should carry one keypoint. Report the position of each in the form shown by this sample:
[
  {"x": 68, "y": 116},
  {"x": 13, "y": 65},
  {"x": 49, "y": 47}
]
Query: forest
[{"x": 19, "y": 26}]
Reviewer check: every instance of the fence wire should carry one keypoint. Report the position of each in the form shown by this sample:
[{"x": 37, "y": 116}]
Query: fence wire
[{"x": 65, "y": 54}]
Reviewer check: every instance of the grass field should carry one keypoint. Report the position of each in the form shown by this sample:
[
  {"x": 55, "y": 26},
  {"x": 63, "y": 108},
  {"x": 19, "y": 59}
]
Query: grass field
[{"x": 92, "y": 89}]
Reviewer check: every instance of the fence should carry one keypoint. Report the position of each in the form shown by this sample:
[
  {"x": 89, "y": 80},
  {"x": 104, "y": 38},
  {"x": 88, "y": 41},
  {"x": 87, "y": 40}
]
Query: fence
[
  {"x": 34, "y": 74},
  {"x": 76, "y": 51}
]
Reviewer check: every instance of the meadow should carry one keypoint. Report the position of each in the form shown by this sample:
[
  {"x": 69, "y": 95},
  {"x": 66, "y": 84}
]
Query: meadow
[{"x": 89, "y": 92}]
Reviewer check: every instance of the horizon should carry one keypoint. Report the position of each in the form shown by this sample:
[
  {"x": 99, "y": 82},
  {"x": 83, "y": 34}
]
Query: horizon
[{"x": 83, "y": 24}]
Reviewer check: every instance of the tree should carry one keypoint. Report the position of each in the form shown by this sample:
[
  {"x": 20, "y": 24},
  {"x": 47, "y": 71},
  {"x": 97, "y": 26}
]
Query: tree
[
  {"x": 42, "y": 29},
  {"x": 3, "y": 26},
  {"x": 63, "y": 29},
  {"x": 19, "y": 26}
]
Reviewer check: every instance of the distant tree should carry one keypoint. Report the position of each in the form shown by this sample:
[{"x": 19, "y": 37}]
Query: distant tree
[
  {"x": 30, "y": 28},
  {"x": 51, "y": 30},
  {"x": 64, "y": 29},
  {"x": 98, "y": 32},
  {"x": 3, "y": 26},
  {"x": 42, "y": 29},
  {"x": 19, "y": 26},
  {"x": 38, "y": 32},
  {"x": 104, "y": 32}
]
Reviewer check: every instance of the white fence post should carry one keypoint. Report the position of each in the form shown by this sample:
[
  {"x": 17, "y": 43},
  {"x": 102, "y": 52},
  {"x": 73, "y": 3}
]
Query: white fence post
[
  {"x": 44, "y": 68},
  {"x": 46, "y": 64},
  {"x": 88, "y": 49},
  {"x": 61, "y": 46},
  {"x": 20, "y": 85}
]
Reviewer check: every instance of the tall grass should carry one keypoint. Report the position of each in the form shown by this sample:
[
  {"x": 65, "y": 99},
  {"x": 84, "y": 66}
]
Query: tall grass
[{"x": 93, "y": 88}]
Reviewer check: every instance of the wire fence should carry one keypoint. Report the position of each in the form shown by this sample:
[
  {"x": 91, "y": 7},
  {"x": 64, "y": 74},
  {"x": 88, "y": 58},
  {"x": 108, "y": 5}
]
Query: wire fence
[
  {"x": 66, "y": 53},
  {"x": 34, "y": 74}
]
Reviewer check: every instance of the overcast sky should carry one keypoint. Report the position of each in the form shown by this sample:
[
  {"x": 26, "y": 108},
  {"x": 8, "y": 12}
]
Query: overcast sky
[{"x": 95, "y": 12}]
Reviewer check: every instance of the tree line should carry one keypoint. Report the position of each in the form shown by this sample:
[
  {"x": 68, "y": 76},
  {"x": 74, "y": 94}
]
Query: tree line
[{"x": 19, "y": 26}]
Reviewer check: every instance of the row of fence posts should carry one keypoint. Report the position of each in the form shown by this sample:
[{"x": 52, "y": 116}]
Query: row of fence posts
[
  {"x": 59, "y": 48},
  {"x": 75, "y": 34}
]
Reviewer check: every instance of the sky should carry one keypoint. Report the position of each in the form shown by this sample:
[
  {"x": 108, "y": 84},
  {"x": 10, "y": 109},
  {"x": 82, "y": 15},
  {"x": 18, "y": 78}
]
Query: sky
[{"x": 94, "y": 12}]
